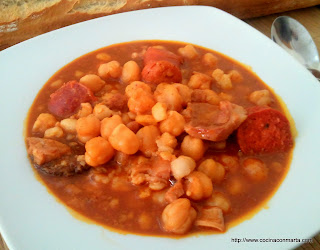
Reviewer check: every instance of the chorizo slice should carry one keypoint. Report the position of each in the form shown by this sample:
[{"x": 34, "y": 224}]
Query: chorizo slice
[
  {"x": 66, "y": 100},
  {"x": 46, "y": 150},
  {"x": 213, "y": 122},
  {"x": 265, "y": 130},
  {"x": 154, "y": 54},
  {"x": 161, "y": 71},
  {"x": 161, "y": 66}
]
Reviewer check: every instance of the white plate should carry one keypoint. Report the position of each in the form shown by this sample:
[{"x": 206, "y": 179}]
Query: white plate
[{"x": 30, "y": 218}]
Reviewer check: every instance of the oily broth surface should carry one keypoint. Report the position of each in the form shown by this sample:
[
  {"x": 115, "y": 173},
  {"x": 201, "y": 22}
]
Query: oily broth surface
[{"x": 123, "y": 209}]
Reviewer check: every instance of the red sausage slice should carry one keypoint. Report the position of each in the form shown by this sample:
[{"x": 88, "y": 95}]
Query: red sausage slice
[
  {"x": 161, "y": 66},
  {"x": 213, "y": 122},
  {"x": 154, "y": 54},
  {"x": 66, "y": 100},
  {"x": 161, "y": 71},
  {"x": 266, "y": 130}
]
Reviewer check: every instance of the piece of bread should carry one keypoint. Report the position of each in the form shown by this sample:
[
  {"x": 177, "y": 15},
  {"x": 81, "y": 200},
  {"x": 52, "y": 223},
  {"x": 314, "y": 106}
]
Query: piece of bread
[
  {"x": 23, "y": 19},
  {"x": 41, "y": 20}
]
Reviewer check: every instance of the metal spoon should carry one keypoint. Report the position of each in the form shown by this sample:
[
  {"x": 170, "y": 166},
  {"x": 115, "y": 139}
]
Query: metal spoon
[{"x": 296, "y": 40}]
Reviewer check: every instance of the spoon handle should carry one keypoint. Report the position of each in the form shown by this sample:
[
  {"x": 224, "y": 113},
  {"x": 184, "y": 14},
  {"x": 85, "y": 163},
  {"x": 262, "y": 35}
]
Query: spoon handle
[{"x": 316, "y": 73}]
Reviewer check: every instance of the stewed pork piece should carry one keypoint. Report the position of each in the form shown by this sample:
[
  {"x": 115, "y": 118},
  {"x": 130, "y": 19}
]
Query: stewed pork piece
[{"x": 213, "y": 122}]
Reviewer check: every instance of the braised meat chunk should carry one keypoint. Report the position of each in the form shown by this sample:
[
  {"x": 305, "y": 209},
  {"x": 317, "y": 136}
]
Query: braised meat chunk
[
  {"x": 212, "y": 122},
  {"x": 67, "y": 100},
  {"x": 65, "y": 166},
  {"x": 44, "y": 150}
]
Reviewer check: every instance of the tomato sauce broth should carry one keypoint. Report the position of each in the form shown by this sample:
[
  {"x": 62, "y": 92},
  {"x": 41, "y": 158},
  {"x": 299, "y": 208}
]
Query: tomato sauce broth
[{"x": 123, "y": 207}]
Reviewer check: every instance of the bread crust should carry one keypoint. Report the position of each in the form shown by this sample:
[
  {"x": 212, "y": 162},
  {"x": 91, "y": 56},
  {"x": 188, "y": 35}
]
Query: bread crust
[{"x": 21, "y": 25}]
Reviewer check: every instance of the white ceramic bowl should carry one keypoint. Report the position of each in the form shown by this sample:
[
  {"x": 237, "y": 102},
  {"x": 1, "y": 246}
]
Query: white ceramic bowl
[{"x": 31, "y": 218}]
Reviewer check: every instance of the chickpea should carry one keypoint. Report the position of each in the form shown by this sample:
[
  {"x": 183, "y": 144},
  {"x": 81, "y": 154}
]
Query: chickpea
[
  {"x": 82, "y": 138},
  {"x": 167, "y": 156},
  {"x": 130, "y": 72},
  {"x": 166, "y": 143},
  {"x": 98, "y": 151},
  {"x": 225, "y": 82},
  {"x": 120, "y": 183},
  {"x": 124, "y": 140},
  {"x": 85, "y": 110},
  {"x": 146, "y": 120},
  {"x": 134, "y": 86},
  {"x": 231, "y": 163},
  {"x": 185, "y": 93},
  {"x": 235, "y": 76},
  {"x": 141, "y": 102},
  {"x": 209, "y": 59},
  {"x": 217, "y": 74},
  {"x": 159, "y": 111},
  {"x": 111, "y": 69},
  {"x": 260, "y": 97},
  {"x": 188, "y": 52},
  {"x": 121, "y": 158},
  {"x": 200, "y": 81},
  {"x": 159, "y": 47},
  {"x": 88, "y": 127},
  {"x": 43, "y": 122},
  {"x": 193, "y": 147},
  {"x": 109, "y": 124},
  {"x": 133, "y": 126},
  {"x": 145, "y": 221},
  {"x": 101, "y": 111},
  {"x": 55, "y": 132},
  {"x": 277, "y": 167},
  {"x": 159, "y": 197},
  {"x": 218, "y": 145},
  {"x": 219, "y": 200},
  {"x": 225, "y": 96},
  {"x": 168, "y": 94},
  {"x": 72, "y": 189},
  {"x": 103, "y": 57},
  {"x": 182, "y": 166},
  {"x": 69, "y": 125},
  {"x": 56, "y": 84},
  {"x": 174, "y": 124},
  {"x": 236, "y": 185},
  {"x": 157, "y": 185},
  {"x": 178, "y": 216},
  {"x": 114, "y": 203},
  {"x": 214, "y": 170},
  {"x": 93, "y": 82},
  {"x": 147, "y": 137},
  {"x": 78, "y": 74},
  {"x": 206, "y": 96},
  {"x": 198, "y": 186},
  {"x": 125, "y": 118},
  {"x": 131, "y": 115},
  {"x": 255, "y": 169}
]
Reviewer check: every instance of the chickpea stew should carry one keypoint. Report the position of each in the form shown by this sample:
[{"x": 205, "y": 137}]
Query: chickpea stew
[{"x": 159, "y": 138}]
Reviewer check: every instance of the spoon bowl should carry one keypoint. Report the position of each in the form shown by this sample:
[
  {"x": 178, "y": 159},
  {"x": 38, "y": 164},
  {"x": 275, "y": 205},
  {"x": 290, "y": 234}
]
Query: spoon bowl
[{"x": 297, "y": 41}]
